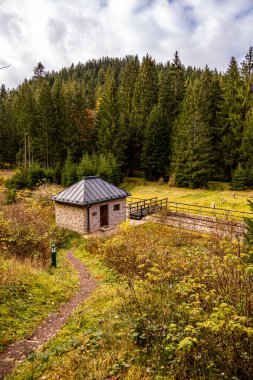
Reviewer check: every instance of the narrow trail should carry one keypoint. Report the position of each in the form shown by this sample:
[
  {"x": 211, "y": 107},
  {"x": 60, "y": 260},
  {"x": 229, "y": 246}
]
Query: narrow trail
[{"x": 16, "y": 352}]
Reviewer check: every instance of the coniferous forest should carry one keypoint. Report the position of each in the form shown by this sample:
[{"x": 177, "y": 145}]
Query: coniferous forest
[{"x": 133, "y": 116}]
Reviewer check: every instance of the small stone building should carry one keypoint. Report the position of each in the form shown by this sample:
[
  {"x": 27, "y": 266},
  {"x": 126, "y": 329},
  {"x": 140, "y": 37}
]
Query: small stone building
[{"x": 89, "y": 205}]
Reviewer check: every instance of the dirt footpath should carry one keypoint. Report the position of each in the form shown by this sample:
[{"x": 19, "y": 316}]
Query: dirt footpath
[{"x": 17, "y": 352}]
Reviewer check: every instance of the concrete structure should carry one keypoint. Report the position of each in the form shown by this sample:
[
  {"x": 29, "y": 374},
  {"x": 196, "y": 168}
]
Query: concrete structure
[{"x": 89, "y": 205}]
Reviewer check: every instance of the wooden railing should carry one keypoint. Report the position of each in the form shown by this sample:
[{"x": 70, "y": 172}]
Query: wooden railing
[{"x": 190, "y": 216}]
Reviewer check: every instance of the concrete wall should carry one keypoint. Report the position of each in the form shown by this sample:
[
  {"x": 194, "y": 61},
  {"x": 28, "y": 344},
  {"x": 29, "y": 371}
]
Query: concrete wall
[
  {"x": 75, "y": 217},
  {"x": 72, "y": 217}
]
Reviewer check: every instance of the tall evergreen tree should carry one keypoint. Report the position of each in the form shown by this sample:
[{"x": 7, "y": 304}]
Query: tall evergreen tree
[
  {"x": 155, "y": 154},
  {"x": 45, "y": 136},
  {"x": 230, "y": 117},
  {"x": 247, "y": 83},
  {"x": 144, "y": 98},
  {"x": 246, "y": 153},
  {"x": 110, "y": 138},
  {"x": 27, "y": 122},
  {"x": 192, "y": 159},
  {"x": 128, "y": 78},
  {"x": 177, "y": 86}
]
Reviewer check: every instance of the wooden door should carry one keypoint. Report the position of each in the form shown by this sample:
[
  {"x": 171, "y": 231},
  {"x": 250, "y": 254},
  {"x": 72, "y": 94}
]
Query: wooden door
[{"x": 104, "y": 216}]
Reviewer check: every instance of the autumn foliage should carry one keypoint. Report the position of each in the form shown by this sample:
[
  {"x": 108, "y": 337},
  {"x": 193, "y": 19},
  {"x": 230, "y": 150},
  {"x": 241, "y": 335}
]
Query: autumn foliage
[{"x": 189, "y": 302}]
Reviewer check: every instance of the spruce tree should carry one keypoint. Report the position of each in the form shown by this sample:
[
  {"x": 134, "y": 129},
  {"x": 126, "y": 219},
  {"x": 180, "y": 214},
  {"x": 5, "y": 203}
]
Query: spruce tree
[
  {"x": 45, "y": 150},
  {"x": 87, "y": 166},
  {"x": 246, "y": 151},
  {"x": 145, "y": 96},
  {"x": 230, "y": 117},
  {"x": 176, "y": 82},
  {"x": 246, "y": 72},
  {"x": 69, "y": 172},
  {"x": 192, "y": 158},
  {"x": 239, "y": 178},
  {"x": 156, "y": 148},
  {"x": 128, "y": 78},
  {"x": 110, "y": 137}
]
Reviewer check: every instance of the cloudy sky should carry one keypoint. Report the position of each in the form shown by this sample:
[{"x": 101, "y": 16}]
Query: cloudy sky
[{"x": 59, "y": 32}]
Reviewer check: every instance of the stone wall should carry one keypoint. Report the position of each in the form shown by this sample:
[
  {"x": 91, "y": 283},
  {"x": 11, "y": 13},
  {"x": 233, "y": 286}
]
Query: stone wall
[
  {"x": 115, "y": 217},
  {"x": 72, "y": 217},
  {"x": 200, "y": 223},
  {"x": 75, "y": 217}
]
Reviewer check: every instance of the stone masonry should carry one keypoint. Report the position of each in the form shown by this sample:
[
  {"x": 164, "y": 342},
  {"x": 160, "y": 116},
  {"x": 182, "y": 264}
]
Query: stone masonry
[
  {"x": 75, "y": 217},
  {"x": 72, "y": 217},
  {"x": 115, "y": 217}
]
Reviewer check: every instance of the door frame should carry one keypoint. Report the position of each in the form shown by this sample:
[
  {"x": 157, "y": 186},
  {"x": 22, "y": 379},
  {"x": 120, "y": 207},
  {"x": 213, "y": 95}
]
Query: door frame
[{"x": 104, "y": 218}]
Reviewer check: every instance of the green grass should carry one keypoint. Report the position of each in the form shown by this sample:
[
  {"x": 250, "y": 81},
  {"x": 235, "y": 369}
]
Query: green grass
[
  {"x": 85, "y": 347},
  {"x": 175, "y": 311},
  {"x": 217, "y": 192},
  {"x": 29, "y": 294}
]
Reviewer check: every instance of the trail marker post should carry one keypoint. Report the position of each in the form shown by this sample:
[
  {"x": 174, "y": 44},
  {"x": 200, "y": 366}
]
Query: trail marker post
[{"x": 53, "y": 256}]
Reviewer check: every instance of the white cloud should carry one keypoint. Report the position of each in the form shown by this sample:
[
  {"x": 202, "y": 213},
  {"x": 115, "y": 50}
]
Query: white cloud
[{"x": 59, "y": 32}]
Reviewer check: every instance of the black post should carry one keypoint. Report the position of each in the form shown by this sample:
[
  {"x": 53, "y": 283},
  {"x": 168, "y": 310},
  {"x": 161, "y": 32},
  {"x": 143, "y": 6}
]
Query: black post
[{"x": 53, "y": 255}]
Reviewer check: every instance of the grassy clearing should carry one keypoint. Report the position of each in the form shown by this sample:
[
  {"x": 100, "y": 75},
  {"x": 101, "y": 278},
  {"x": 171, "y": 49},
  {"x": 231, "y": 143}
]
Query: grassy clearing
[
  {"x": 28, "y": 294},
  {"x": 29, "y": 288},
  {"x": 91, "y": 345},
  {"x": 218, "y": 192},
  {"x": 170, "y": 305}
]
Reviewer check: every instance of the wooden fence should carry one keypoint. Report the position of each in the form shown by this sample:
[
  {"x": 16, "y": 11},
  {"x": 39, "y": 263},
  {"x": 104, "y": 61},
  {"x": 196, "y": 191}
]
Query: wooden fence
[{"x": 189, "y": 216}]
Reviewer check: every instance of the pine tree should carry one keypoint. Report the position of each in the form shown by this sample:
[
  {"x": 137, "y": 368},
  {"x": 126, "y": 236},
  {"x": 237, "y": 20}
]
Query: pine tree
[
  {"x": 192, "y": 158},
  {"x": 156, "y": 148}
]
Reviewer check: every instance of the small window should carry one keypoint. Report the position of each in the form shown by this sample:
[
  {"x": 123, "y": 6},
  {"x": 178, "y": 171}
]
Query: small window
[
  {"x": 116, "y": 207},
  {"x": 94, "y": 213}
]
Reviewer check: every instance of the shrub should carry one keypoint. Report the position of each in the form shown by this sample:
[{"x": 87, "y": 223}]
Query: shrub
[
  {"x": 18, "y": 181},
  {"x": 27, "y": 230},
  {"x": 189, "y": 301}
]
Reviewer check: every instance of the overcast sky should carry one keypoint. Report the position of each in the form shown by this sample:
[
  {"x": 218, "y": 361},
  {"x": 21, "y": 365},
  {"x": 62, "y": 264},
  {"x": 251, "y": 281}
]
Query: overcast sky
[{"x": 59, "y": 32}]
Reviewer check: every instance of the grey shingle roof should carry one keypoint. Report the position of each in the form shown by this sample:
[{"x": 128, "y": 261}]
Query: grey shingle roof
[{"x": 89, "y": 190}]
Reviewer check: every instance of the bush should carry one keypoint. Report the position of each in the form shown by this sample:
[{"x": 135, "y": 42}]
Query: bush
[
  {"x": 36, "y": 176},
  {"x": 189, "y": 303},
  {"x": 18, "y": 181},
  {"x": 27, "y": 229}
]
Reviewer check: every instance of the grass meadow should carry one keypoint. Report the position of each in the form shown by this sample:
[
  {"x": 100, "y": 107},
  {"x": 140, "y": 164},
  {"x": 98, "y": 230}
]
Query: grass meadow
[
  {"x": 217, "y": 192},
  {"x": 171, "y": 305}
]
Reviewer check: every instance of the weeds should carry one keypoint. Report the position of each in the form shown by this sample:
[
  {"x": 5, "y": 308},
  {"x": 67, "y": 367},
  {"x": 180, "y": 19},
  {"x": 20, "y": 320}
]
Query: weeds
[{"x": 180, "y": 308}]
